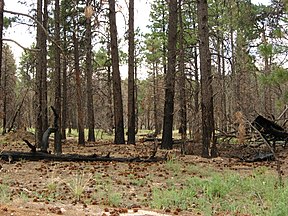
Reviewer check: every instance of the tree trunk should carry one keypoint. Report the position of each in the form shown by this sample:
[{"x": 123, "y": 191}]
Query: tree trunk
[
  {"x": 64, "y": 82},
  {"x": 206, "y": 78},
  {"x": 5, "y": 91},
  {"x": 1, "y": 56},
  {"x": 117, "y": 95},
  {"x": 156, "y": 99},
  {"x": 81, "y": 138},
  {"x": 167, "y": 136},
  {"x": 136, "y": 102},
  {"x": 57, "y": 82},
  {"x": 267, "y": 88},
  {"x": 44, "y": 68},
  {"x": 164, "y": 50},
  {"x": 39, "y": 74},
  {"x": 182, "y": 79},
  {"x": 89, "y": 77},
  {"x": 109, "y": 112},
  {"x": 131, "y": 83}
]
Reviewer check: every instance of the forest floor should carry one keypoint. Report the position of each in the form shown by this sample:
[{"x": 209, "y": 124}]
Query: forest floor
[{"x": 110, "y": 188}]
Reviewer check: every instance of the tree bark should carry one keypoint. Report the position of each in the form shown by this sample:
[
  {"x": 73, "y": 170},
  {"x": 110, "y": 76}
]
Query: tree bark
[
  {"x": 44, "y": 67},
  {"x": 1, "y": 42},
  {"x": 57, "y": 82},
  {"x": 167, "y": 135},
  {"x": 206, "y": 78},
  {"x": 81, "y": 138},
  {"x": 182, "y": 78},
  {"x": 4, "y": 92},
  {"x": 117, "y": 95},
  {"x": 39, "y": 74},
  {"x": 131, "y": 82},
  {"x": 37, "y": 156},
  {"x": 1, "y": 56},
  {"x": 109, "y": 113},
  {"x": 156, "y": 96},
  {"x": 89, "y": 77},
  {"x": 64, "y": 116}
]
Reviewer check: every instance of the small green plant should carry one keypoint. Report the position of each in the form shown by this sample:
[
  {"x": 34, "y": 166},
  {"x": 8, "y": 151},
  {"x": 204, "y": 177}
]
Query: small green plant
[
  {"x": 114, "y": 199},
  {"x": 78, "y": 184},
  {"x": 174, "y": 166},
  {"x": 106, "y": 192},
  {"x": 172, "y": 198},
  {"x": 24, "y": 196},
  {"x": 138, "y": 182},
  {"x": 5, "y": 193}
]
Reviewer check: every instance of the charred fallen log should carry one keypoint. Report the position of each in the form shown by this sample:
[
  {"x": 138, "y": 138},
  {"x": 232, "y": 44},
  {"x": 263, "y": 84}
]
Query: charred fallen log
[
  {"x": 270, "y": 130},
  {"x": 37, "y": 156},
  {"x": 259, "y": 157}
]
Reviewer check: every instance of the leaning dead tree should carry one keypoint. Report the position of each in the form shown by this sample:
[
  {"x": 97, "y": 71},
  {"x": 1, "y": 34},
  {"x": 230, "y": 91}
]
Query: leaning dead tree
[{"x": 45, "y": 138}]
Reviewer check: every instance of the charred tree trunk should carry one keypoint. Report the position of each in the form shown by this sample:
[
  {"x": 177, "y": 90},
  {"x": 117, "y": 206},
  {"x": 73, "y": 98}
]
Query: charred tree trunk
[
  {"x": 167, "y": 136},
  {"x": 39, "y": 74},
  {"x": 44, "y": 67},
  {"x": 57, "y": 82},
  {"x": 109, "y": 112},
  {"x": 4, "y": 92},
  {"x": 131, "y": 81},
  {"x": 164, "y": 47},
  {"x": 81, "y": 138},
  {"x": 1, "y": 55},
  {"x": 64, "y": 116},
  {"x": 156, "y": 100},
  {"x": 117, "y": 94},
  {"x": 182, "y": 79},
  {"x": 206, "y": 78},
  {"x": 89, "y": 77}
]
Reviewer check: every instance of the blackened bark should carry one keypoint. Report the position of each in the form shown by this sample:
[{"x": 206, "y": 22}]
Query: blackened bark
[
  {"x": 44, "y": 67},
  {"x": 64, "y": 116},
  {"x": 1, "y": 56},
  {"x": 109, "y": 113},
  {"x": 4, "y": 92},
  {"x": 117, "y": 95},
  {"x": 164, "y": 47},
  {"x": 1, "y": 42},
  {"x": 182, "y": 79},
  {"x": 37, "y": 156},
  {"x": 90, "y": 104},
  {"x": 156, "y": 100},
  {"x": 206, "y": 79},
  {"x": 39, "y": 72},
  {"x": 170, "y": 78},
  {"x": 131, "y": 82},
  {"x": 57, "y": 82},
  {"x": 81, "y": 138}
]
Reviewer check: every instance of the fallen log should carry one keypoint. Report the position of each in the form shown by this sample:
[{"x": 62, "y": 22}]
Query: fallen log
[
  {"x": 37, "y": 156},
  {"x": 259, "y": 157}
]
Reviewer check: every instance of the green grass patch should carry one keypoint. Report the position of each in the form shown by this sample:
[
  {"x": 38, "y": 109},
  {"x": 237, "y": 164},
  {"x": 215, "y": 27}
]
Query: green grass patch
[
  {"x": 227, "y": 192},
  {"x": 5, "y": 193}
]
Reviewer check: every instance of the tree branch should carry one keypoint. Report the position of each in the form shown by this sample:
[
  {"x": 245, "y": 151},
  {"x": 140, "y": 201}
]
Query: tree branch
[
  {"x": 24, "y": 48},
  {"x": 40, "y": 24}
]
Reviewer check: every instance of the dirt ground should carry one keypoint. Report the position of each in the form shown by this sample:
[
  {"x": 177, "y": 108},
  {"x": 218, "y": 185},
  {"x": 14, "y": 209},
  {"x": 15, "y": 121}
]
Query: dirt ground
[{"x": 54, "y": 188}]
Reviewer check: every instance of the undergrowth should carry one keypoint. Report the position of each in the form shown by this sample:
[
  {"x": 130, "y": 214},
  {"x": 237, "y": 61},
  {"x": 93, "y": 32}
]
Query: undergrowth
[
  {"x": 5, "y": 193},
  {"x": 227, "y": 192}
]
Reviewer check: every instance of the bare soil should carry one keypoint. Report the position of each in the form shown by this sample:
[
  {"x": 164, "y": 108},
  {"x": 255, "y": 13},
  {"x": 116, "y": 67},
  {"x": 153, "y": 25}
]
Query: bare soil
[{"x": 45, "y": 187}]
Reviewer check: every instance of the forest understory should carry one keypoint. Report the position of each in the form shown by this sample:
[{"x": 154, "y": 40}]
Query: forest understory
[{"x": 116, "y": 188}]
